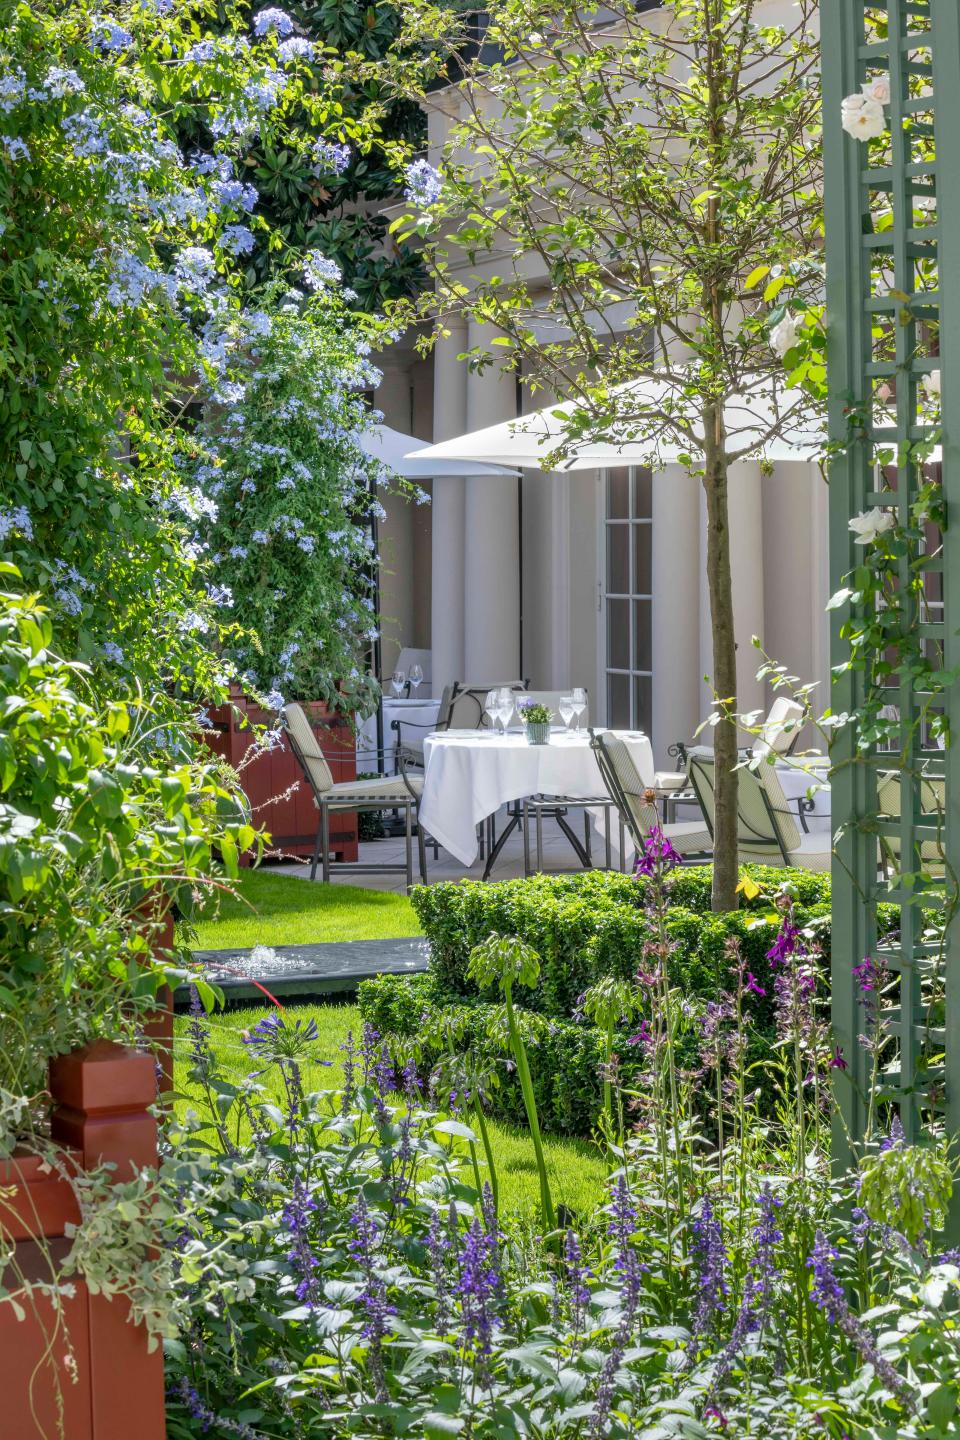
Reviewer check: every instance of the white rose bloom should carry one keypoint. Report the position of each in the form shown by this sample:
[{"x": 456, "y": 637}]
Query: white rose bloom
[
  {"x": 930, "y": 384},
  {"x": 783, "y": 336},
  {"x": 878, "y": 89},
  {"x": 862, "y": 117},
  {"x": 870, "y": 525}
]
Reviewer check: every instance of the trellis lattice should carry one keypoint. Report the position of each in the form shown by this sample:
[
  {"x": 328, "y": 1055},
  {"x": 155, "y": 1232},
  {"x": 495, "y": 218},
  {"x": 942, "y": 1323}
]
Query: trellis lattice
[{"x": 893, "y": 307}]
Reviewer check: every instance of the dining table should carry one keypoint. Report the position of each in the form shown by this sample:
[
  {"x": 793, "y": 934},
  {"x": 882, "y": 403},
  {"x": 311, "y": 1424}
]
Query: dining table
[{"x": 470, "y": 774}]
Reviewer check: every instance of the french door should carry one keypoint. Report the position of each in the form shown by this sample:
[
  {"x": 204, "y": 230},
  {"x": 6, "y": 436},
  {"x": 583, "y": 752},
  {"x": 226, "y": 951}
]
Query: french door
[{"x": 626, "y": 598}]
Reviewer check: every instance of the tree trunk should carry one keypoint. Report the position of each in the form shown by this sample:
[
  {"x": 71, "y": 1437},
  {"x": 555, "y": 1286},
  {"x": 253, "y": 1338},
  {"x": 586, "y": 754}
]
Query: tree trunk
[{"x": 725, "y": 862}]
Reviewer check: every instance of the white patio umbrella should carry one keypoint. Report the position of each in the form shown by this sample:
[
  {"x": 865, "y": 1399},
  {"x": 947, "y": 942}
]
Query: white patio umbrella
[
  {"x": 527, "y": 441},
  {"x": 393, "y": 449}
]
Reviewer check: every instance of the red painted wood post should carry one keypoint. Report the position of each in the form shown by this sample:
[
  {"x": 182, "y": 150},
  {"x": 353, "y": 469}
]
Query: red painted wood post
[
  {"x": 102, "y": 1095},
  {"x": 85, "y": 1375}
]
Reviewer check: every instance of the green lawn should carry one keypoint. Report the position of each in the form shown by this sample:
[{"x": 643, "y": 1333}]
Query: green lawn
[
  {"x": 576, "y": 1169},
  {"x": 283, "y": 910}
]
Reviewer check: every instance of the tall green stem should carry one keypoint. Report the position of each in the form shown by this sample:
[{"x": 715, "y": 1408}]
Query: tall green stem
[{"x": 530, "y": 1105}]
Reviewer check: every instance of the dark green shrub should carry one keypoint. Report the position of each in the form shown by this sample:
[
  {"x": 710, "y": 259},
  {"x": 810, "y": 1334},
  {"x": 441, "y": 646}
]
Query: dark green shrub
[{"x": 583, "y": 925}]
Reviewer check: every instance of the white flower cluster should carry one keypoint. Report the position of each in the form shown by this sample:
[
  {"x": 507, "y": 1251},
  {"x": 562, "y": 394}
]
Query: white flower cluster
[{"x": 862, "y": 115}]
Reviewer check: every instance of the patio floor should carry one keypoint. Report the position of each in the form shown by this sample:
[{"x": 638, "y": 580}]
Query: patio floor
[{"x": 557, "y": 855}]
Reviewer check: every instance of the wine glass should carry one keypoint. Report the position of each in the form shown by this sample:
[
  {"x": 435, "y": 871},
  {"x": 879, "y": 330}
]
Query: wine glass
[
  {"x": 397, "y": 681},
  {"x": 579, "y": 698},
  {"x": 504, "y": 708},
  {"x": 416, "y": 677},
  {"x": 492, "y": 707},
  {"x": 566, "y": 710}
]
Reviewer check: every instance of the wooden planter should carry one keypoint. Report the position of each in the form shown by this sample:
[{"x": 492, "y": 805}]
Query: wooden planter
[
  {"x": 280, "y": 798},
  {"x": 84, "y": 1373}
]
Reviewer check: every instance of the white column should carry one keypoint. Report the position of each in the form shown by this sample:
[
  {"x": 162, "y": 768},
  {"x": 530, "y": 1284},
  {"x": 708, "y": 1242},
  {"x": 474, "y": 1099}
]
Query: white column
[
  {"x": 676, "y": 609},
  {"x": 745, "y": 510},
  {"x": 492, "y": 540},
  {"x": 449, "y": 499},
  {"x": 396, "y": 531}
]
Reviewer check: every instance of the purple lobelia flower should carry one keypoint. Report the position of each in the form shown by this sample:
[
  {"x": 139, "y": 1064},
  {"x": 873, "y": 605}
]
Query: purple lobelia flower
[
  {"x": 606, "y": 1387},
  {"x": 577, "y": 1275},
  {"x": 478, "y": 1287},
  {"x": 438, "y": 1246},
  {"x": 622, "y": 1211},
  {"x": 296, "y": 1218},
  {"x": 410, "y": 1080},
  {"x": 373, "y": 1297},
  {"x": 709, "y": 1256},
  {"x": 197, "y": 1030},
  {"x": 209, "y": 1419},
  {"x": 349, "y": 1073},
  {"x": 897, "y": 1139},
  {"x": 828, "y": 1295},
  {"x": 657, "y": 857},
  {"x": 759, "y": 1291}
]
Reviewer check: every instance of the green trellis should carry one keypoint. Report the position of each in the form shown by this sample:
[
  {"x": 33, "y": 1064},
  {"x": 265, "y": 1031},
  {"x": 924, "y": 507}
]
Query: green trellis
[{"x": 893, "y": 305}]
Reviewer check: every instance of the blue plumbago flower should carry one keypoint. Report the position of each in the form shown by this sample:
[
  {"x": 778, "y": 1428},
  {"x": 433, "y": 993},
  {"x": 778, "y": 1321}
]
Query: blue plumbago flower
[
  {"x": 16, "y": 521},
  {"x": 59, "y": 82},
  {"x": 111, "y": 651},
  {"x": 319, "y": 271},
  {"x": 332, "y": 155},
  {"x": 424, "y": 184},
  {"x": 274, "y": 20},
  {"x": 106, "y": 35},
  {"x": 231, "y": 194},
  {"x": 195, "y": 267},
  {"x": 237, "y": 239},
  {"x": 297, "y": 48},
  {"x": 657, "y": 856},
  {"x": 274, "y": 700},
  {"x": 202, "y": 51},
  {"x": 307, "y": 544},
  {"x": 16, "y": 148},
  {"x": 296, "y": 1218},
  {"x": 709, "y": 1256}
]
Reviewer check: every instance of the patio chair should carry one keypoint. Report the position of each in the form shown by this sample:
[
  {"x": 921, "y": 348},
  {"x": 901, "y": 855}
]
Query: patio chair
[
  {"x": 767, "y": 829},
  {"x": 931, "y": 852},
  {"x": 386, "y": 792},
  {"x": 635, "y": 800},
  {"x": 780, "y": 731}
]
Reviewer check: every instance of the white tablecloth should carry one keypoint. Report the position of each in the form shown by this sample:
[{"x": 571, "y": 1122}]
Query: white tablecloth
[
  {"x": 470, "y": 774},
  {"x": 419, "y": 710},
  {"x": 795, "y": 783}
]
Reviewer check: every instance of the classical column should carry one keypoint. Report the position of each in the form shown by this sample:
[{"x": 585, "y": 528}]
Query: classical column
[
  {"x": 745, "y": 509},
  {"x": 492, "y": 531},
  {"x": 449, "y": 499},
  {"x": 676, "y": 584}
]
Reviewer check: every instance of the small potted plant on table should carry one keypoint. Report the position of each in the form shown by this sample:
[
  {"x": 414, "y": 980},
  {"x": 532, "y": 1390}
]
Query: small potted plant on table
[{"x": 536, "y": 719}]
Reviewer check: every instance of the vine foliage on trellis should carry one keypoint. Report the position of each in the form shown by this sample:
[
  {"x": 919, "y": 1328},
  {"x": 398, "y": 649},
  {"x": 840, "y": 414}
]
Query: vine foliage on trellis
[{"x": 893, "y": 317}]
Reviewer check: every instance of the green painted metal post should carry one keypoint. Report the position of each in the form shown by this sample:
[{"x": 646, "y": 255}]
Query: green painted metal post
[{"x": 893, "y": 313}]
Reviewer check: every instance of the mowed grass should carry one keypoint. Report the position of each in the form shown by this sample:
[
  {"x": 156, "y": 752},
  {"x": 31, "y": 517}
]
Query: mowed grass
[
  {"x": 284, "y": 910},
  {"x": 575, "y": 1167}
]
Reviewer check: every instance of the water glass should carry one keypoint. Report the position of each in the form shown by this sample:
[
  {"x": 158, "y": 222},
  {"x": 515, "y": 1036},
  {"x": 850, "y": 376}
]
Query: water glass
[
  {"x": 579, "y": 697},
  {"x": 492, "y": 707},
  {"x": 566, "y": 710},
  {"x": 416, "y": 677},
  {"x": 505, "y": 705},
  {"x": 397, "y": 681}
]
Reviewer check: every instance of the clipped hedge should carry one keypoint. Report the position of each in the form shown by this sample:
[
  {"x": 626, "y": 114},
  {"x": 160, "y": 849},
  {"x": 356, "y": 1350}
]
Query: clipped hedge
[{"x": 585, "y": 927}]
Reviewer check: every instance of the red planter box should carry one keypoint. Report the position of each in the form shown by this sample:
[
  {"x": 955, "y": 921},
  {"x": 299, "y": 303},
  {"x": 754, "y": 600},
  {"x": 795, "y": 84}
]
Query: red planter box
[
  {"x": 84, "y": 1373},
  {"x": 279, "y": 795}
]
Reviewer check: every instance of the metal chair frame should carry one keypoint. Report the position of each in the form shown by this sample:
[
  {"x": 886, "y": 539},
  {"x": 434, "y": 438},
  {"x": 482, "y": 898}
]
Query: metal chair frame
[
  {"x": 327, "y": 805},
  {"x": 619, "y": 796}
]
